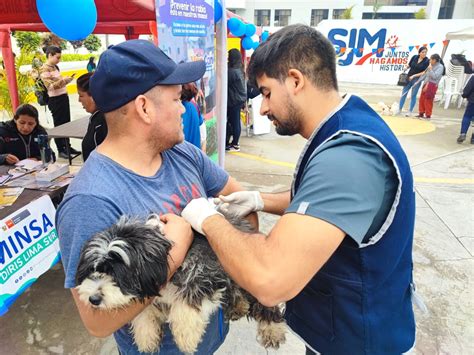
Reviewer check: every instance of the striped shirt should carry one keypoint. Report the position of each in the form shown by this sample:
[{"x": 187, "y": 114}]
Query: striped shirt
[{"x": 53, "y": 80}]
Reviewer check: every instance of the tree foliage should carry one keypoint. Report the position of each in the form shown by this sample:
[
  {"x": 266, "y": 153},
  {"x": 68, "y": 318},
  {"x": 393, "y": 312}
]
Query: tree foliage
[
  {"x": 28, "y": 41},
  {"x": 92, "y": 43},
  {"x": 76, "y": 45},
  {"x": 420, "y": 14},
  {"x": 376, "y": 7},
  {"x": 24, "y": 83},
  {"x": 50, "y": 39},
  {"x": 347, "y": 14}
]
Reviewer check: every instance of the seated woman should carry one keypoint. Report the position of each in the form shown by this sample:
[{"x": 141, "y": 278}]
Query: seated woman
[
  {"x": 97, "y": 129},
  {"x": 18, "y": 136}
]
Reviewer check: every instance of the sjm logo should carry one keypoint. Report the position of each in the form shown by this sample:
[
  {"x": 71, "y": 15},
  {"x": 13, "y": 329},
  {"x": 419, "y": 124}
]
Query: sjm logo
[{"x": 357, "y": 38}]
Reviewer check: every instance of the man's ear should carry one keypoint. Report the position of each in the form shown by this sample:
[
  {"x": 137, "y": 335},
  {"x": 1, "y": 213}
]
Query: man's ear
[
  {"x": 295, "y": 81},
  {"x": 143, "y": 108}
]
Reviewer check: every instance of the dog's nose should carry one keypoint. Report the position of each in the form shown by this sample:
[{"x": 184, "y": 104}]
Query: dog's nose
[{"x": 95, "y": 300}]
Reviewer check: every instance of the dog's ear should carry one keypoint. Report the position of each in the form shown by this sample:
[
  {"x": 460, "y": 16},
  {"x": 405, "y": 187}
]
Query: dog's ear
[{"x": 153, "y": 252}]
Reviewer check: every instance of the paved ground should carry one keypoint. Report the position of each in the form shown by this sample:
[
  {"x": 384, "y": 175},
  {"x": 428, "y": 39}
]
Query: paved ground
[{"x": 44, "y": 319}]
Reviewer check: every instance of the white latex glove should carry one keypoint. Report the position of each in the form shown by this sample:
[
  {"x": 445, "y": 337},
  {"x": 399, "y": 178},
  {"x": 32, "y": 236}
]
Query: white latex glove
[
  {"x": 239, "y": 204},
  {"x": 197, "y": 211}
]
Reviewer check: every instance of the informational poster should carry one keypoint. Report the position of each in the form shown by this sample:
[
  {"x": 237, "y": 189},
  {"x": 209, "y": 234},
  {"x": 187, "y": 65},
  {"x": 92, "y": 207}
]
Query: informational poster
[
  {"x": 29, "y": 247},
  {"x": 185, "y": 34},
  {"x": 377, "y": 51}
]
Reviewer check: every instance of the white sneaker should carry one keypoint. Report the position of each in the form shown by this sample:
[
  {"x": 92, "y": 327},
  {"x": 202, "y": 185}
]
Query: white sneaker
[{"x": 409, "y": 114}]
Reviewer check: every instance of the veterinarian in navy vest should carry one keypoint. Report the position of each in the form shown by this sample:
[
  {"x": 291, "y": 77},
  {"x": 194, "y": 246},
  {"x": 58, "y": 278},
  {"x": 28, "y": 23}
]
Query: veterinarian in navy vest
[
  {"x": 142, "y": 166},
  {"x": 341, "y": 254}
]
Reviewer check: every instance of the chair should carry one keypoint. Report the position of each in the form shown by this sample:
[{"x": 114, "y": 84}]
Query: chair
[
  {"x": 452, "y": 84},
  {"x": 450, "y": 90}
]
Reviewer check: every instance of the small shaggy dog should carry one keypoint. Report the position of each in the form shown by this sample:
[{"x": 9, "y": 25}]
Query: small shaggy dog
[
  {"x": 129, "y": 262},
  {"x": 391, "y": 110}
]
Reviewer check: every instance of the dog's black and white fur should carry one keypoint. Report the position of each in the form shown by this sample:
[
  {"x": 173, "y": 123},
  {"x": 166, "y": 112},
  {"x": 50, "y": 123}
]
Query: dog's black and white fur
[{"x": 129, "y": 262}]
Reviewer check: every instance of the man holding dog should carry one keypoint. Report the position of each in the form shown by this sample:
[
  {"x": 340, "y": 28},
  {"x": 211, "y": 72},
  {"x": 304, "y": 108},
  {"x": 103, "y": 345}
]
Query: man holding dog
[
  {"x": 341, "y": 253},
  {"x": 142, "y": 166}
]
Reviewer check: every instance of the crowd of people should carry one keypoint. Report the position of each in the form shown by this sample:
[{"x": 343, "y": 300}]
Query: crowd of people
[{"x": 340, "y": 255}]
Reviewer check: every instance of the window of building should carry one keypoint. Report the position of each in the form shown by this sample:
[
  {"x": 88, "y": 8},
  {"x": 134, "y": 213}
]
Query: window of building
[
  {"x": 282, "y": 17},
  {"x": 317, "y": 15},
  {"x": 262, "y": 17},
  {"x": 446, "y": 9},
  {"x": 395, "y": 2},
  {"x": 389, "y": 15},
  {"x": 337, "y": 13}
]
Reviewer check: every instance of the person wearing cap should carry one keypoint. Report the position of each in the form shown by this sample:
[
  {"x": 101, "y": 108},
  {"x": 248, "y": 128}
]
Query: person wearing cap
[
  {"x": 142, "y": 166},
  {"x": 340, "y": 256}
]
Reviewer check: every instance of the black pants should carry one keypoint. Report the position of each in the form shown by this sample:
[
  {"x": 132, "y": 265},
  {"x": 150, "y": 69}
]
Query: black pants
[
  {"x": 233, "y": 125},
  {"x": 59, "y": 107}
]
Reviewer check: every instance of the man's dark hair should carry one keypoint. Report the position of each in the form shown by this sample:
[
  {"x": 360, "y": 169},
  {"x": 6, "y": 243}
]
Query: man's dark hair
[
  {"x": 83, "y": 82},
  {"x": 296, "y": 47},
  {"x": 52, "y": 50}
]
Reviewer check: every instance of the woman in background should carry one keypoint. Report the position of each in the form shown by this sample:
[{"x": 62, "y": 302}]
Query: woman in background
[
  {"x": 192, "y": 118},
  {"x": 91, "y": 65},
  {"x": 432, "y": 77},
  {"x": 18, "y": 136},
  {"x": 236, "y": 97},
  {"x": 418, "y": 64},
  {"x": 58, "y": 102},
  {"x": 468, "y": 117},
  {"x": 97, "y": 128}
]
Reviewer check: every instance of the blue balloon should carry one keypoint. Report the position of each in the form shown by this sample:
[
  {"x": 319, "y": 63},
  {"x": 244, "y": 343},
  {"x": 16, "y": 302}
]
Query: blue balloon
[
  {"x": 217, "y": 11},
  {"x": 247, "y": 43},
  {"x": 265, "y": 35},
  {"x": 72, "y": 20},
  {"x": 250, "y": 29},
  {"x": 255, "y": 45},
  {"x": 233, "y": 24},
  {"x": 236, "y": 27}
]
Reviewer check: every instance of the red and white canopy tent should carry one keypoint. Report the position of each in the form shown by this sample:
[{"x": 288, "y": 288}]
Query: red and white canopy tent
[{"x": 128, "y": 17}]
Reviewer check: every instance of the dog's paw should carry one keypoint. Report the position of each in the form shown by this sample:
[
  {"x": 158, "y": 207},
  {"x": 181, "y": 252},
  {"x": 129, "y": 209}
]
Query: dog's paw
[
  {"x": 187, "y": 327},
  {"x": 239, "y": 310},
  {"x": 147, "y": 329},
  {"x": 271, "y": 335}
]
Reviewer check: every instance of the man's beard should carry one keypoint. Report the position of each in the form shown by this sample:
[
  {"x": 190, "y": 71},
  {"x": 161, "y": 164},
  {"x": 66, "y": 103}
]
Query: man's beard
[{"x": 292, "y": 124}]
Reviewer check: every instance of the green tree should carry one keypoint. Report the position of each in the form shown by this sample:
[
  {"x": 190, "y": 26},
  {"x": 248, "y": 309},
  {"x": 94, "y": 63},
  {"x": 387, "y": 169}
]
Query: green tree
[
  {"x": 50, "y": 39},
  {"x": 376, "y": 9},
  {"x": 76, "y": 45},
  {"x": 28, "y": 41},
  {"x": 92, "y": 43},
  {"x": 347, "y": 14},
  {"x": 420, "y": 14},
  {"x": 24, "y": 83}
]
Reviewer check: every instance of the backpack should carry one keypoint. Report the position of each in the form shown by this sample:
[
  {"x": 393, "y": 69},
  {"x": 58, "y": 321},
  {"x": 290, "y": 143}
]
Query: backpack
[{"x": 41, "y": 92}]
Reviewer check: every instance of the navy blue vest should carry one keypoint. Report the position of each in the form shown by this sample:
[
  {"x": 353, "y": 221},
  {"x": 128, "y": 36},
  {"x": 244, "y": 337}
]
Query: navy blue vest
[{"x": 360, "y": 300}]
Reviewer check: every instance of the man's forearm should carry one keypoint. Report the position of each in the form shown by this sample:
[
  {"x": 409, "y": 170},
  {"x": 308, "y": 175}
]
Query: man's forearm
[
  {"x": 276, "y": 203},
  {"x": 230, "y": 245},
  {"x": 102, "y": 323}
]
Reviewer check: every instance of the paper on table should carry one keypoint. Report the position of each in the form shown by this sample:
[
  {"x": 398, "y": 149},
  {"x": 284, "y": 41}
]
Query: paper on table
[
  {"x": 29, "y": 164},
  {"x": 9, "y": 195}
]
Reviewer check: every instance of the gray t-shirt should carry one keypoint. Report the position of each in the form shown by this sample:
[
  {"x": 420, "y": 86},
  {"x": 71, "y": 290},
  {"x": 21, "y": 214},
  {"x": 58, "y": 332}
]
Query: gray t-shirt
[
  {"x": 351, "y": 184},
  {"x": 104, "y": 190}
]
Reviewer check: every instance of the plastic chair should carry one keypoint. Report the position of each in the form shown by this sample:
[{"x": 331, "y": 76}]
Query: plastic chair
[{"x": 450, "y": 90}]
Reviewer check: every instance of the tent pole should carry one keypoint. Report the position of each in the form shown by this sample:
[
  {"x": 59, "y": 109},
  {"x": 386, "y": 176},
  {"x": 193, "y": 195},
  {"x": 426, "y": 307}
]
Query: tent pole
[
  {"x": 9, "y": 61},
  {"x": 221, "y": 84}
]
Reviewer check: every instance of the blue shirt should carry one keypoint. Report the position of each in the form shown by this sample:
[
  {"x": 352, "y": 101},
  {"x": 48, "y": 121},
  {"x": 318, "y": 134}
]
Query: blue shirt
[
  {"x": 104, "y": 190},
  {"x": 351, "y": 184},
  {"x": 191, "y": 122}
]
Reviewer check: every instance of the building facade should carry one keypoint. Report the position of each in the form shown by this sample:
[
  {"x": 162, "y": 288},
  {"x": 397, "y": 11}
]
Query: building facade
[{"x": 277, "y": 13}]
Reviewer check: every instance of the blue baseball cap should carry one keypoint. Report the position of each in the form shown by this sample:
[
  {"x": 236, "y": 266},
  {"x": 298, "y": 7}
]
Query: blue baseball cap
[{"x": 133, "y": 67}]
